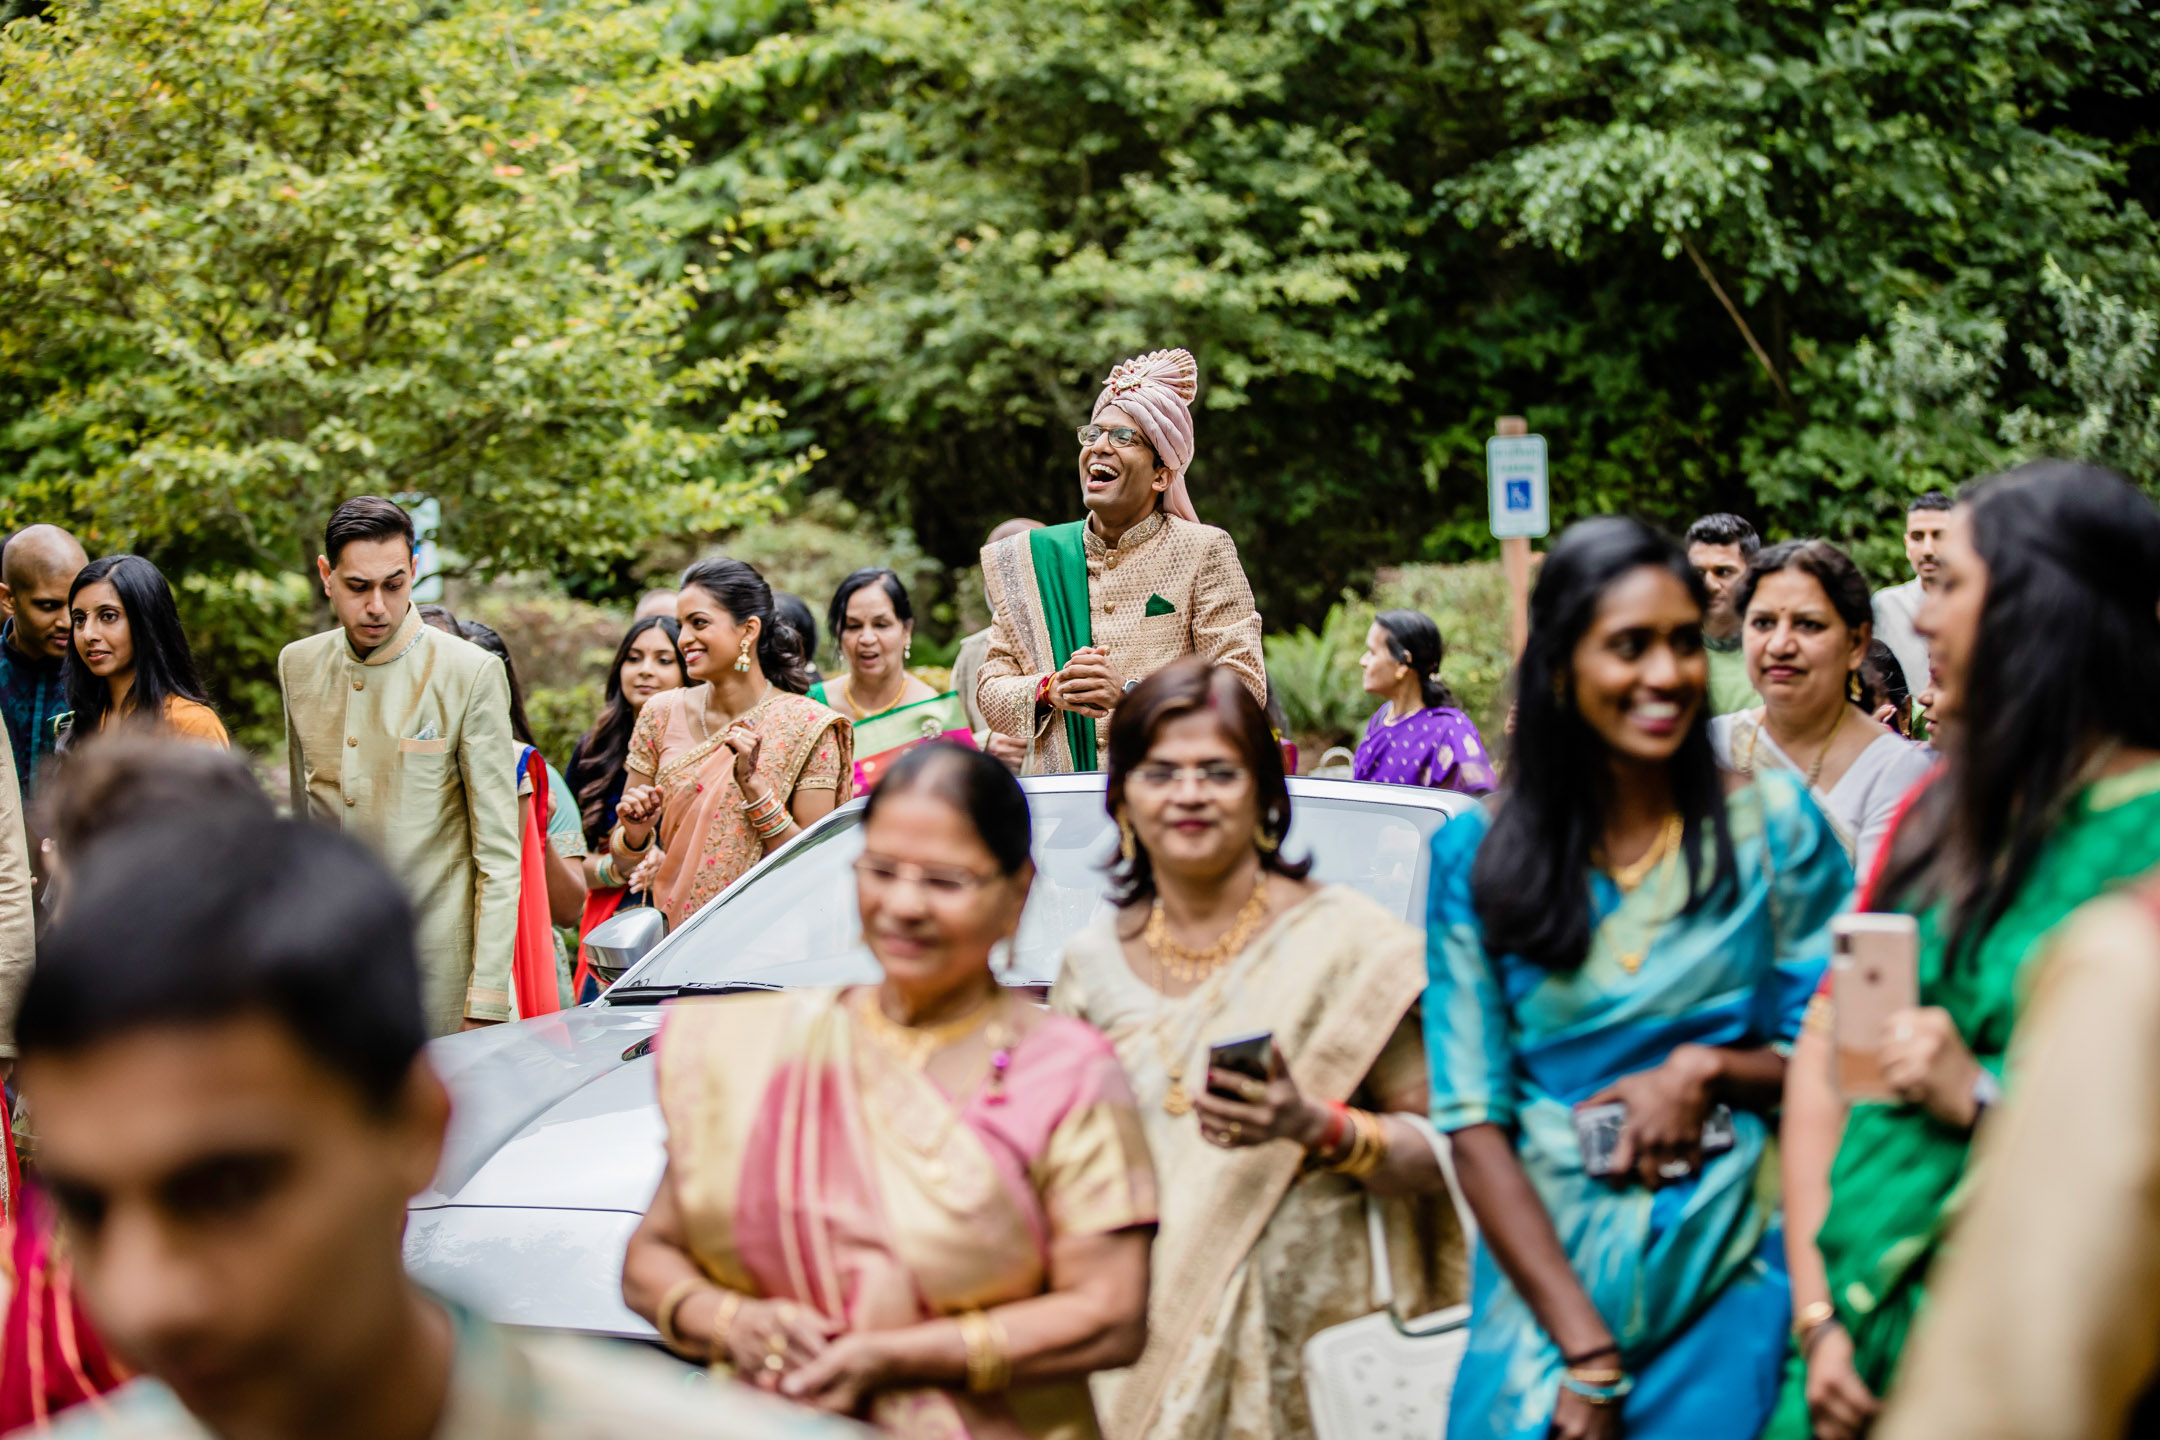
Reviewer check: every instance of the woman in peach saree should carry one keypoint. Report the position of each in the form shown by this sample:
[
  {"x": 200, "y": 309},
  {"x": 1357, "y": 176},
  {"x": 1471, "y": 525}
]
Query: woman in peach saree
[
  {"x": 927, "y": 1201},
  {"x": 722, "y": 773}
]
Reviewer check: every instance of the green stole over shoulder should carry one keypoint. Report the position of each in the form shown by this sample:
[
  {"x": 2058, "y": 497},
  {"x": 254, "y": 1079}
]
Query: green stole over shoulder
[
  {"x": 1060, "y": 555},
  {"x": 1899, "y": 1176}
]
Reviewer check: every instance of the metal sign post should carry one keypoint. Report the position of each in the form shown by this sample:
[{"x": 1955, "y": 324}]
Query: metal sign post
[{"x": 1521, "y": 512}]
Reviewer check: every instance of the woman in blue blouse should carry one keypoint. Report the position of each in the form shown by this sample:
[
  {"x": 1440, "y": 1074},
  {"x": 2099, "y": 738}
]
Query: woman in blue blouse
[{"x": 1624, "y": 923}]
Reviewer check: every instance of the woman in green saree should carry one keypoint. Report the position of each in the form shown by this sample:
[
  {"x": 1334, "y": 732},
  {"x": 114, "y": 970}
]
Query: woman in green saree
[{"x": 2045, "y": 643}]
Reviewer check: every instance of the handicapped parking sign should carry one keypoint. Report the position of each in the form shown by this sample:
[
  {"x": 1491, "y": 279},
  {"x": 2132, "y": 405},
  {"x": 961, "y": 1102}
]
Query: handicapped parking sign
[{"x": 1515, "y": 471}]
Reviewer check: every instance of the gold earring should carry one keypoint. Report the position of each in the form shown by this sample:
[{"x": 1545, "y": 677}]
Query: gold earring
[
  {"x": 1128, "y": 843},
  {"x": 1853, "y": 690},
  {"x": 742, "y": 661},
  {"x": 1265, "y": 843}
]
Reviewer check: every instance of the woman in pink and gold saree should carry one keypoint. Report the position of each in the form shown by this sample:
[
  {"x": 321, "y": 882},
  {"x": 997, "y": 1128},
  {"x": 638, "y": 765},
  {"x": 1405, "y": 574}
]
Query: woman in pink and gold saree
[{"x": 926, "y": 1202}]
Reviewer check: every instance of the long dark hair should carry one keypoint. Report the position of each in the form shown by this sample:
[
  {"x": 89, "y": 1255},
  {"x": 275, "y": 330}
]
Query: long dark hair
[
  {"x": 743, "y": 593},
  {"x": 1531, "y": 880},
  {"x": 485, "y": 637},
  {"x": 164, "y": 665},
  {"x": 1185, "y": 686},
  {"x": 2065, "y": 658},
  {"x": 1414, "y": 640},
  {"x": 598, "y": 761}
]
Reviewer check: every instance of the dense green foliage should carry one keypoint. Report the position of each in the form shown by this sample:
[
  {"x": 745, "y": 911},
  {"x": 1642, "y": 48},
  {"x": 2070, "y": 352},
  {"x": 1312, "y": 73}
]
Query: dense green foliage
[
  {"x": 255, "y": 259},
  {"x": 610, "y": 277},
  {"x": 1380, "y": 223}
]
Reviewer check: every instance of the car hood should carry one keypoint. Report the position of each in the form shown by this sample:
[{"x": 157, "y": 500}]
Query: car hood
[{"x": 557, "y": 1112}]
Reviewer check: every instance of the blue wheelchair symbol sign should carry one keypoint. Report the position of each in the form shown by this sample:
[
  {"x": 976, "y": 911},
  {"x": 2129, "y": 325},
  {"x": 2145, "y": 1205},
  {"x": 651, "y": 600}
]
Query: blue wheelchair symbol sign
[{"x": 1518, "y": 494}]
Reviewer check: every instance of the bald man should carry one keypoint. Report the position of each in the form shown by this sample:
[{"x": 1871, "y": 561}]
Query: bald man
[
  {"x": 973, "y": 651},
  {"x": 37, "y": 567}
]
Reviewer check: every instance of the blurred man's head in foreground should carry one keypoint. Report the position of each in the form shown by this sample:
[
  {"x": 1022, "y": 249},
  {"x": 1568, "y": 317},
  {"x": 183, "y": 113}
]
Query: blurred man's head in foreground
[{"x": 221, "y": 1044}]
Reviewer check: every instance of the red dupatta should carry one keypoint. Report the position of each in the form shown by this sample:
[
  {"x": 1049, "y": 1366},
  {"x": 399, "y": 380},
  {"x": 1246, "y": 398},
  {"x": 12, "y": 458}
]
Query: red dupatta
[
  {"x": 50, "y": 1357},
  {"x": 532, "y": 963}
]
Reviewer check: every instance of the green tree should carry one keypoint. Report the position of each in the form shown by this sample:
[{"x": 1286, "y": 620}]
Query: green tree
[
  {"x": 1660, "y": 229},
  {"x": 257, "y": 258},
  {"x": 1825, "y": 170}
]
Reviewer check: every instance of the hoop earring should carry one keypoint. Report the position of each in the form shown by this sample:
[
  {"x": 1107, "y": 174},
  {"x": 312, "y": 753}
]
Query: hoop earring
[
  {"x": 1265, "y": 843},
  {"x": 1128, "y": 843},
  {"x": 742, "y": 661}
]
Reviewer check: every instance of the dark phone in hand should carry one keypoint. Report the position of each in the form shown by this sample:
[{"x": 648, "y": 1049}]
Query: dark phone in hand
[{"x": 1243, "y": 1055}]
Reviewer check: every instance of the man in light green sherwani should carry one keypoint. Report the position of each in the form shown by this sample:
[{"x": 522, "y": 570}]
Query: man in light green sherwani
[{"x": 399, "y": 735}]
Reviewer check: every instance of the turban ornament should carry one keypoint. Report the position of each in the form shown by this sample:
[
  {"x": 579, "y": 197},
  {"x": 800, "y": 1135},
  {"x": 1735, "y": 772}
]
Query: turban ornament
[{"x": 1157, "y": 390}]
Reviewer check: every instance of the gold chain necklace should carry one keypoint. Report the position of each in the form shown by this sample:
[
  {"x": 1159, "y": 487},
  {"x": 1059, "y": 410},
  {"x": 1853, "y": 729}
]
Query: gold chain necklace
[
  {"x": 1630, "y": 876},
  {"x": 913, "y": 1045},
  {"x": 1190, "y": 966},
  {"x": 1187, "y": 966},
  {"x": 847, "y": 693},
  {"x": 705, "y": 725},
  {"x": 1814, "y": 771}
]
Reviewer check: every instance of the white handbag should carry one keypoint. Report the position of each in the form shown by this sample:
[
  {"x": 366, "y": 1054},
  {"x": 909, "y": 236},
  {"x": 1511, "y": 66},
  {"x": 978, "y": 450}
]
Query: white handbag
[{"x": 1381, "y": 1377}]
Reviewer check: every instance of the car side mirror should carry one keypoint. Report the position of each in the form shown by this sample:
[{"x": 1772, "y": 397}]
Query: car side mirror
[{"x": 623, "y": 939}]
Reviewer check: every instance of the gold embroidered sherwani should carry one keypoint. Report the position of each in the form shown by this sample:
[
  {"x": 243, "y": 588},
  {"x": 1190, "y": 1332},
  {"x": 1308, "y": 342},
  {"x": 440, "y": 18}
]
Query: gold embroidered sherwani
[
  {"x": 409, "y": 750},
  {"x": 1170, "y": 587}
]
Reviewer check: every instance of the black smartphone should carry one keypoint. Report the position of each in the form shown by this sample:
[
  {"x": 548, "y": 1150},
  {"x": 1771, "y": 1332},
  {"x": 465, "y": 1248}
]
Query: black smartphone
[{"x": 1241, "y": 1055}]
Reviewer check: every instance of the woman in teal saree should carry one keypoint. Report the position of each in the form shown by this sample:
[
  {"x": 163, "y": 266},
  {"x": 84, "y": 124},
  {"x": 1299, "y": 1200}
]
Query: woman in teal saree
[
  {"x": 2046, "y": 650},
  {"x": 1623, "y": 924}
]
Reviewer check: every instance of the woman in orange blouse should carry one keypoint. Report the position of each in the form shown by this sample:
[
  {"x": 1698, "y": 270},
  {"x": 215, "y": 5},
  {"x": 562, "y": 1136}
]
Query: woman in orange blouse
[{"x": 128, "y": 661}]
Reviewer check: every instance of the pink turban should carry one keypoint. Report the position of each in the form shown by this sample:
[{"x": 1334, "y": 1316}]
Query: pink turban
[{"x": 1157, "y": 390}]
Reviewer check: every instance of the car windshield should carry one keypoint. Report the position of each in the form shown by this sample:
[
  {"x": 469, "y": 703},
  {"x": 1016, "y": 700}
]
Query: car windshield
[{"x": 795, "y": 922}]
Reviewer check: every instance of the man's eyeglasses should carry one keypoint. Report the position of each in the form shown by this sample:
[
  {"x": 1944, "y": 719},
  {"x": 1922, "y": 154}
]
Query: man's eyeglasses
[
  {"x": 1220, "y": 777},
  {"x": 1122, "y": 436},
  {"x": 939, "y": 882}
]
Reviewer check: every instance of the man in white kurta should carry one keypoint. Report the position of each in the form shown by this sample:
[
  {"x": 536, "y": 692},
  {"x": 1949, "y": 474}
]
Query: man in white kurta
[{"x": 399, "y": 735}]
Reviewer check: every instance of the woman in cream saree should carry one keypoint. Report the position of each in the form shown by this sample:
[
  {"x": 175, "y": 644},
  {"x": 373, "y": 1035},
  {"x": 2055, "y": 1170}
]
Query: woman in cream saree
[
  {"x": 936, "y": 1217},
  {"x": 1264, "y": 1238}
]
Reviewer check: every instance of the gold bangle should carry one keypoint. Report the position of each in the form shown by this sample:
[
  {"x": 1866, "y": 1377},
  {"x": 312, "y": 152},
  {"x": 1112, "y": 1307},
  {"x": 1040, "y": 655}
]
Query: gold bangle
[
  {"x": 619, "y": 844},
  {"x": 1812, "y": 1314},
  {"x": 1356, "y": 1153},
  {"x": 672, "y": 1301},
  {"x": 1368, "y": 1151},
  {"x": 719, "y": 1352},
  {"x": 989, "y": 1368}
]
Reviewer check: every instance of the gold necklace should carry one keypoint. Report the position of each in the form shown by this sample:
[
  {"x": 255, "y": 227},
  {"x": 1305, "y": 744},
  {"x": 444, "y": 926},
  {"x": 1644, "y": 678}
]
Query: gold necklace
[
  {"x": 848, "y": 694},
  {"x": 705, "y": 725},
  {"x": 913, "y": 1045},
  {"x": 1630, "y": 876},
  {"x": 1187, "y": 966},
  {"x": 1814, "y": 771},
  {"x": 1190, "y": 966}
]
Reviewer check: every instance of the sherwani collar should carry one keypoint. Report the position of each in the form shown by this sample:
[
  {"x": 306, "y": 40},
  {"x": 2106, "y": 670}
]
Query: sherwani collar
[
  {"x": 1131, "y": 540},
  {"x": 401, "y": 640}
]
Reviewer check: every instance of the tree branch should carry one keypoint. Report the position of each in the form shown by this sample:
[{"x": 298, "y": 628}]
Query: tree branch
[{"x": 1733, "y": 310}]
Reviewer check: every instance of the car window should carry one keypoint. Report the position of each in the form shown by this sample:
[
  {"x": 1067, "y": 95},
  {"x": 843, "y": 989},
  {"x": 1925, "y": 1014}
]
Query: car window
[{"x": 795, "y": 922}]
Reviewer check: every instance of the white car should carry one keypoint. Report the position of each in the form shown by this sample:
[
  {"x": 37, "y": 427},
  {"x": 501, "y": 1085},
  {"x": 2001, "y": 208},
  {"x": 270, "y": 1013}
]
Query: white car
[{"x": 555, "y": 1143}]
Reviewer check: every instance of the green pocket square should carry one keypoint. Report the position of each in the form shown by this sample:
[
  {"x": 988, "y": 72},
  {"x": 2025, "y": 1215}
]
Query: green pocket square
[{"x": 1156, "y": 605}]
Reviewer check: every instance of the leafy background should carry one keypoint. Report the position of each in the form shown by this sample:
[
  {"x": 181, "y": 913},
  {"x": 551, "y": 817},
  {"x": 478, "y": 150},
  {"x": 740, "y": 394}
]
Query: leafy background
[{"x": 826, "y": 282}]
